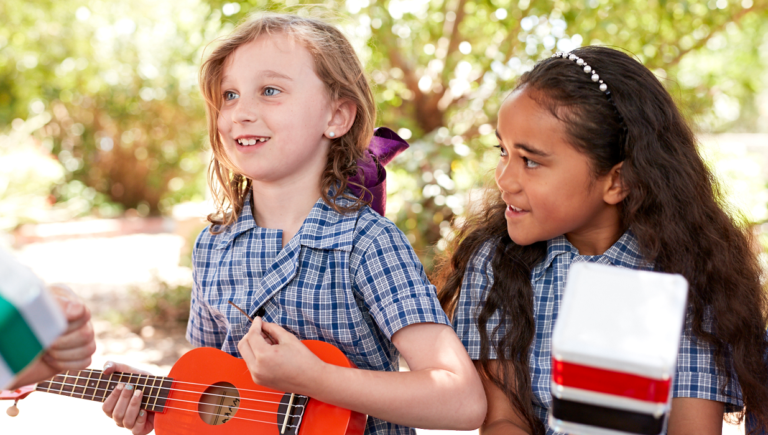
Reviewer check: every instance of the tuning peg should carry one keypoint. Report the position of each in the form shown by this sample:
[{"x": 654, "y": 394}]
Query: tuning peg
[{"x": 12, "y": 410}]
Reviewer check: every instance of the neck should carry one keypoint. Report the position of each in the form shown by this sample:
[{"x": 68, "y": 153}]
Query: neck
[
  {"x": 601, "y": 234},
  {"x": 95, "y": 386},
  {"x": 283, "y": 207}
]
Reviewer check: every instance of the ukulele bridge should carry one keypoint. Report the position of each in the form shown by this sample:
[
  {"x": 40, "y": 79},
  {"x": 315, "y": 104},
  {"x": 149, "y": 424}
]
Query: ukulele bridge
[{"x": 294, "y": 413}]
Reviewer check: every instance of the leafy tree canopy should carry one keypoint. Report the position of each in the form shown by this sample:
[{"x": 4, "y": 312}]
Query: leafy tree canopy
[{"x": 127, "y": 121}]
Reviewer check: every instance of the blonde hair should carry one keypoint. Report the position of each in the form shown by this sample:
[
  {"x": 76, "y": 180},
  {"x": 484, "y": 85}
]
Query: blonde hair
[{"x": 336, "y": 64}]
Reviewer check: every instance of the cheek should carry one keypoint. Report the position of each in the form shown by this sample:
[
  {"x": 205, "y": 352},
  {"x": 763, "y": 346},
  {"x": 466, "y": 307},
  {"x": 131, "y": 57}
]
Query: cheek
[{"x": 223, "y": 118}]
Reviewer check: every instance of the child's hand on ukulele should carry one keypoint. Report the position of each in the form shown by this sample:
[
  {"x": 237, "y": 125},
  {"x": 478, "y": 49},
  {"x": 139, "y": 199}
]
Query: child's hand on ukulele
[
  {"x": 277, "y": 359},
  {"x": 72, "y": 350},
  {"x": 123, "y": 403}
]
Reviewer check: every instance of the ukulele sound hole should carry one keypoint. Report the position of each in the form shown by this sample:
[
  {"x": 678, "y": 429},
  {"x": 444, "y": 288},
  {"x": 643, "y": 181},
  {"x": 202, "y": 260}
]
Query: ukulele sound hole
[{"x": 219, "y": 403}]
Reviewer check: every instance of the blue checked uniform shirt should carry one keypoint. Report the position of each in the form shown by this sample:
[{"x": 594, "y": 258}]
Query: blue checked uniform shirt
[
  {"x": 350, "y": 280},
  {"x": 697, "y": 375}
]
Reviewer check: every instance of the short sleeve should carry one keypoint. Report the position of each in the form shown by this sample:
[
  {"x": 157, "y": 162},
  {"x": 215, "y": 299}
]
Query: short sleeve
[
  {"x": 698, "y": 375},
  {"x": 202, "y": 329},
  {"x": 477, "y": 282},
  {"x": 392, "y": 283}
]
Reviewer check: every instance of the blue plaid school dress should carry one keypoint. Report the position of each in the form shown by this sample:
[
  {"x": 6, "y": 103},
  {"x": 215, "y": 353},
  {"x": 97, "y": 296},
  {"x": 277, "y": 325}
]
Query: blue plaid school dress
[
  {"x": 350, "y": 280},
  {"x": 697, "y": 375}
]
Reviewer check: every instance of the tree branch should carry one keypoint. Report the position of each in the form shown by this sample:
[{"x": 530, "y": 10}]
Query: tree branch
[
  {"x": 512, "y": 33},
  {"x": 703, "y": 41},
  {"x": 453, "y": 43}
]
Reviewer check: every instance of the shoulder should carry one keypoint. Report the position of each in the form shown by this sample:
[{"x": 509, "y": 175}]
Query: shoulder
[
  {"x": 207, "y": 242},
  {"x": 482, "y": 258},
  {"x": 208, "y": 236},
  {"x": 698, "y": 375},
  {"x": 475, "y": 287},
  {"x": 478, "y": 278},
  {"x": 375, "y": 231},
  {"x": 379, "y": 247}
]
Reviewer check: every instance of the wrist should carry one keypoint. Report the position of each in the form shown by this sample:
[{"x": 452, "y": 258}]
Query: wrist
[
  {"x": 38, "y": 371},
  {"x": 317, "y": 379}
]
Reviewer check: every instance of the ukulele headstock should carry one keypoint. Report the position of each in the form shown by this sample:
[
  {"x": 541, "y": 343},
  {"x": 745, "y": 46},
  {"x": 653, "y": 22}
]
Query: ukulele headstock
[{"x": 15, "y": 395}]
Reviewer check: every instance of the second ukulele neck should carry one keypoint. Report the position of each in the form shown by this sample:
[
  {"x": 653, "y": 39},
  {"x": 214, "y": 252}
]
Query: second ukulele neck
[{"x": 94, "y": 385}]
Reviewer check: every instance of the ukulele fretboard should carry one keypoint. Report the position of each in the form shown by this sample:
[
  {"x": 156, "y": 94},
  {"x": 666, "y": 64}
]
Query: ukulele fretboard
[{"x": 94, "y": 385}]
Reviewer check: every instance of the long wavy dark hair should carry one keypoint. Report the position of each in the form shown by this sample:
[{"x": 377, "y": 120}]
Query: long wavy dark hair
[{"x": 673, "y": 208}]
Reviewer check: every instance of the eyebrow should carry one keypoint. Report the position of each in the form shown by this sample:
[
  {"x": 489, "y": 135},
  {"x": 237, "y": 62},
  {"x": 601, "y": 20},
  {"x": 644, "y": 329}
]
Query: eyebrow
[
  {"x": 266, "y": 73},
  {"x": 275, "y": 74},
  {"x": 527, "y": 148}
]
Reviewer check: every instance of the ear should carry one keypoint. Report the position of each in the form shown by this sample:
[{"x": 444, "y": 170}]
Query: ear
[
  {"x": 343, "y": 117},
  {"x": 614, "y": 192}
]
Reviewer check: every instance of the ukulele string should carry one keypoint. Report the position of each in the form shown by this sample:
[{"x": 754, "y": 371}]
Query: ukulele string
[
  {"x": 175, "y": 381},
  {"x": 235, "y": 417},
  {"x": 152, "y": 396},
  {"x": 187, "y": 391}
]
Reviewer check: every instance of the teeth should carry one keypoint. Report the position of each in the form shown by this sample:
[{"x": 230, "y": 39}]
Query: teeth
[
  {"x": 246, "y": 142},
  {"x": 515, "y": 208}
]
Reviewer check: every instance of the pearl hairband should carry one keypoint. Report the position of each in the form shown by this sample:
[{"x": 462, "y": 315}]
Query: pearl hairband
[
  {"x": 587, "y": 69},
  {"x": 595, "y": 78}
]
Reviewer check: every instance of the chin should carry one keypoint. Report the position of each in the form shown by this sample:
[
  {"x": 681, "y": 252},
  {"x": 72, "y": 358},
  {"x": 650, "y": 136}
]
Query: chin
[{"x": 522, "y": 238}]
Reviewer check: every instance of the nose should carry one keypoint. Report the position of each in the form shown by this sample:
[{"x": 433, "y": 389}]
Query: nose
[
  {"x": 508, "y": 176},
  {"x": 246, "y": 111}
]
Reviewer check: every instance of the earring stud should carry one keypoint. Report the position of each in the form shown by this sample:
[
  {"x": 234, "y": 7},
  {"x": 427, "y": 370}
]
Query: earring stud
[{"x": 331, "y": 134}]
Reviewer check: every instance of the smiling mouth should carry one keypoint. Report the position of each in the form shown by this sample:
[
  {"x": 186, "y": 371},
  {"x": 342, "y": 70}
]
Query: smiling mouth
[
  {"x": 515, "y": 209},
  {"x": 248, "y": 141}
]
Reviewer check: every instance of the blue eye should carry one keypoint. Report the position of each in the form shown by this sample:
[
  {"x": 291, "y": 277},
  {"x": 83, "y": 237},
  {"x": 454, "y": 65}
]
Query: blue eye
[
  {"x": 271, "y": 92},
  {"x": 530, "y": 163},
  {"x": 502, "y": 150},
  {"x": 229, "y": 95}
]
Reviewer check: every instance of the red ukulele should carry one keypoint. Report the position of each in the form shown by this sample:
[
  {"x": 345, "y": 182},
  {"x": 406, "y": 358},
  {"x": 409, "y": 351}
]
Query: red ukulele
[{"x": 211, "y": 392}]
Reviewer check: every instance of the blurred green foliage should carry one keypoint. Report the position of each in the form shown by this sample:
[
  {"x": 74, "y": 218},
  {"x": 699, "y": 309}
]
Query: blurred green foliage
[
  {"x": 159, "y": 304},
  {"x": 118, "y": 79}
]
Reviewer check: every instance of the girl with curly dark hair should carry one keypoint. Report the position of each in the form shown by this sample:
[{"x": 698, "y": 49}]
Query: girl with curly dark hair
[{"x": 598, "y": 165}]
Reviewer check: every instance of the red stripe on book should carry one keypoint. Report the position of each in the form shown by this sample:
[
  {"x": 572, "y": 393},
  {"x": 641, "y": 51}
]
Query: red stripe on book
[{"x": 610, "y": 382}]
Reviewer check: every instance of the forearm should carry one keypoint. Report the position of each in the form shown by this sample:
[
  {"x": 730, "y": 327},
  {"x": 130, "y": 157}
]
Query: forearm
[
  {"x": 37, "y": 372},
  {"x": 690, "y": 416},
  {"x": 428, "y": 398}
]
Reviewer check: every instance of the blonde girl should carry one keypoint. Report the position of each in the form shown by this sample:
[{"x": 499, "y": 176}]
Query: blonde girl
[{"x": 290, "y": 113}]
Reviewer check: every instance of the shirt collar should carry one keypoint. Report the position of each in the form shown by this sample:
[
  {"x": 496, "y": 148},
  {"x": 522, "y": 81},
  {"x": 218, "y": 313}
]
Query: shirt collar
[
  {"x": 244, "y": 223},
  {"x": 624, "y": 253},
  {"x": 324, "y": 228},
  {"x": 555, "y": 247}
]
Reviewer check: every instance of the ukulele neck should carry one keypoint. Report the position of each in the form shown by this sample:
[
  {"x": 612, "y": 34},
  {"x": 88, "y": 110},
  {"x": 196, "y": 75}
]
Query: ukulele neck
[{"x": 95, "y": 386}]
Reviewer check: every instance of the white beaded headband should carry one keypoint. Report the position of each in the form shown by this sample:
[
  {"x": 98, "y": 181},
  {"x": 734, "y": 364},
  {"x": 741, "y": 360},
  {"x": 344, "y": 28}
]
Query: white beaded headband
[
  {"x": 587, "y": 69},
  {"x": 595, "y": 78}
]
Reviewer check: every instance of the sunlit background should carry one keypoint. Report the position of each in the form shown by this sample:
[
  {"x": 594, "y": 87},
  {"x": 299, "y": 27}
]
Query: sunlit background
[{"x": 103, "y": 147}]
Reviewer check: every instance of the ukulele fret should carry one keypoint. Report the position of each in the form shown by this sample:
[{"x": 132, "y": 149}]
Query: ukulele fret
[
  {"x": 135, "y": 383},
  {"x": 65, "y": 384},
  {"x": 80, "y": 381},
  {"x": 87, "y": 383},
  {"x": 162, "y": 395},
  {"x": 104, "y": 389},
  {"x": 192, "y": 401},
  {"x": 152, "y": 394},
  {"x": 142, "y": 385}
]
